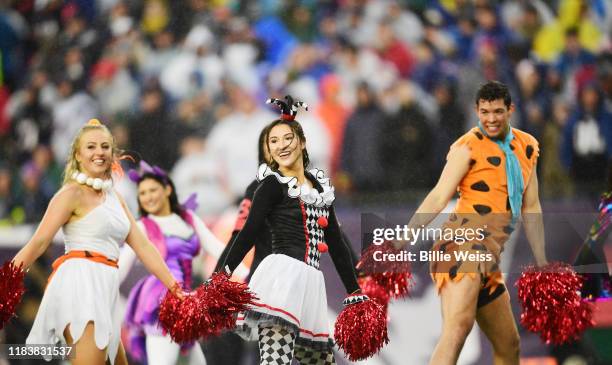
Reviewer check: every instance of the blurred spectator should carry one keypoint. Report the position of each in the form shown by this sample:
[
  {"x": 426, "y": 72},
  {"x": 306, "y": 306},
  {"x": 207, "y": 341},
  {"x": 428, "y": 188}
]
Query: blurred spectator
[
  {"x": 354, "y": 65},
  {"x": 462, "y": 35},
  {"x": 240, "y": 54},
  {"x": 490, "y": 29},
  {"x": 300, "y": 21},
  {"x": 231, "y": 146},
  {"x": 393, "y": 51},
  {"x": 402, "y": 19},
  {"x": 407, "y": 143},
  {"x": 556, "y": 181},
  {"x": 153, "y": 57},
  {"x": 50, "y": 171},
  {"x": 533, "y": 100},
  {"x": 113, "y": 86},
  {"x": 196, "y": 172},
  {"x": 155, "y": 16},
  {"x": 573, "y": 56},
  {"x": 73, "y": 109},
  {"x": 197, "y": 67},
  {"x": 428, "y": 70},
  {"x": 361, "y": 157},
  {"x": 29, "y": 194},
  {"x": 452, "y": 121},
  {"x": 579, "y": 14},
  {"x": 28, "y": 110},
  {"x": 65, "y": 62},
  {"x": 194, "y": 117},
  {"x": 13, "y": 31},
  {"x": 587, "y": 140},
  {"x": 333, "y": 114},
  {"x": 152, "y": 135},
  {"x": 7, "y": 198}
]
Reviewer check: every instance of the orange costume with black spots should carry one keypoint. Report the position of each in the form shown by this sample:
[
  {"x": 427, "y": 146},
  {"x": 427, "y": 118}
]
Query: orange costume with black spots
[{"x": 483, "y": 204}]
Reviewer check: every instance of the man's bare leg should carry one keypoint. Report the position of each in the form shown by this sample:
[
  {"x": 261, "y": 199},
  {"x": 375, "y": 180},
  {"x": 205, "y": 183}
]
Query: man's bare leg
[
  {"x": 497, "y": 322},
  {"x": 458, "y": 302}
]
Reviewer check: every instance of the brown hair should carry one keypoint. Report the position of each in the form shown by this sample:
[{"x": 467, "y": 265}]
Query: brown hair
[{"x": 297, "y": 129}]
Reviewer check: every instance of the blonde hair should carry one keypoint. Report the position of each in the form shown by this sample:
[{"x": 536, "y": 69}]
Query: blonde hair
[{"x": 72, "y": 165}]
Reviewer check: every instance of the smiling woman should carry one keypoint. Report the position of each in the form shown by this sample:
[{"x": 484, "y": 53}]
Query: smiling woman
[
  {"x": 289, "y": 319},
  {"x": 82, "y": 291},
  {"x": 178, "y": 234}
]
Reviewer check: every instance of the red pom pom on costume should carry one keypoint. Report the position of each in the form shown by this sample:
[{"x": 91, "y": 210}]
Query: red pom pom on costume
[
  {"x": 11, "y": 290},
  {"x": 551, "y": 305},
  {"x": 322, "y": 221},
  {"x": 394, "y": 276},
  {"x": 322, "y": 247},
  {"x": 361, "y": 330},
  {"x": 205, "y": 312},
  {"x": 375, "y": 291}
]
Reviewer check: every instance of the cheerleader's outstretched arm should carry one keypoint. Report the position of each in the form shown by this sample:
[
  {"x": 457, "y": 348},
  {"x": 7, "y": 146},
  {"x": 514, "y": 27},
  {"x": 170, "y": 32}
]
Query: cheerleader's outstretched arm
[
  {"x": 61, "y": 208},
  {"x": 148, "y": 254}
]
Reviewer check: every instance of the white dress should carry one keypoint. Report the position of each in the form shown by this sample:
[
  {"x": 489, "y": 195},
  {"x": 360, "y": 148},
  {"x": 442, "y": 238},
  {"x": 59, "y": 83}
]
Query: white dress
[{"x": 81, "y": 290}]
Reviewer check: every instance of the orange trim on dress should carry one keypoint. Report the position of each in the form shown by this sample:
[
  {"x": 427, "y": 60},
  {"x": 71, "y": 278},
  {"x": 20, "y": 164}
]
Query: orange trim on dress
[{"x": 88, "y": 255}]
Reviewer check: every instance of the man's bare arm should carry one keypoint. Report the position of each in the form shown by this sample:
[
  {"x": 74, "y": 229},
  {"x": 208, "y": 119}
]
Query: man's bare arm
[{"x": 532, "y": 220}]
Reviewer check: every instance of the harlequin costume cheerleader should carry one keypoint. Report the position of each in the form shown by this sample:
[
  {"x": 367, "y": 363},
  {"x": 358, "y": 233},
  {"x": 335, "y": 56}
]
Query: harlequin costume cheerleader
[
  {"x": 178, "y": 236},
  {"x": 84, "y": 284},
  {"x": 291, "y": 309}
]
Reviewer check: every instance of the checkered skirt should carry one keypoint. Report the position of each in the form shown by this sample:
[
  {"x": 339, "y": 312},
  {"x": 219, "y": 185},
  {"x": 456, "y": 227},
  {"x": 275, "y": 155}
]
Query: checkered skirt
[{"x": 292, "y": 295}]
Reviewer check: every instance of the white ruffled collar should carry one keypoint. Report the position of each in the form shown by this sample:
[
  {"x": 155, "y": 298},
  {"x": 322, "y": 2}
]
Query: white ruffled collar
[{"x": 306, "y": 194}]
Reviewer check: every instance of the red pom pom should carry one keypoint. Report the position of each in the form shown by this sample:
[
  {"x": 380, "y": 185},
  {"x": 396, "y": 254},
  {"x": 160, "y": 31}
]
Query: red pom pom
[
  {"x": 374, "y": 291},
  {"x": 322, "y": 246},
  {"x": 394, "y": 276},
  {"x": 322, "y": 221},
  {"x": 361, "y": 330},
  {"x": 11, "y": 290},
  {"x": 551, "y": 305},
  {"x": 207, "y": 311},
  {"x": 185, "y": 320}
]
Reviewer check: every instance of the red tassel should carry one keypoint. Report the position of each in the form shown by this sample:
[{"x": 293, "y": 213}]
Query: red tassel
[
  {"x": 394, "y": 276},
  {"x": 11, "y": 290},
  {"x": 205, "y": 312},
  {"x": 551, "y": 305},
  {"x": 376, "y": 292},
  {"x": 361, "y": 330}
]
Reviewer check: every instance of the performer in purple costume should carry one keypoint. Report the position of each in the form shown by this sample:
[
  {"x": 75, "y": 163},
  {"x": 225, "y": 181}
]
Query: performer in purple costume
[{"x": 178, "y": 233}]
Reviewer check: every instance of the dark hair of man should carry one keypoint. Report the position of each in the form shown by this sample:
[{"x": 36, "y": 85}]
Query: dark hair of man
[{"x": 494, "y": 90}]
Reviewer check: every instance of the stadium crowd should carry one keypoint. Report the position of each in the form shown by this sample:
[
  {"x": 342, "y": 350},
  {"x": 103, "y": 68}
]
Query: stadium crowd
[{"x": 182, "y": 84}]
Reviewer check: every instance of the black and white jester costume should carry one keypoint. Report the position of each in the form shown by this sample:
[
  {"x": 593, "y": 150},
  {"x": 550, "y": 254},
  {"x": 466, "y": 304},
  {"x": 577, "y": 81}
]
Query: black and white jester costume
[{"x": 292, "y": 300}]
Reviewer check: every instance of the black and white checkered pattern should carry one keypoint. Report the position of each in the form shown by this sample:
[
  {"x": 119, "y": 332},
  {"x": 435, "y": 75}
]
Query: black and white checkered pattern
[
  {"x": 308, "y": 356},
  {"x": 354, "y": 299},
  {"x": 275, "y": 346},
  {"x": 315, "y": 232}
]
